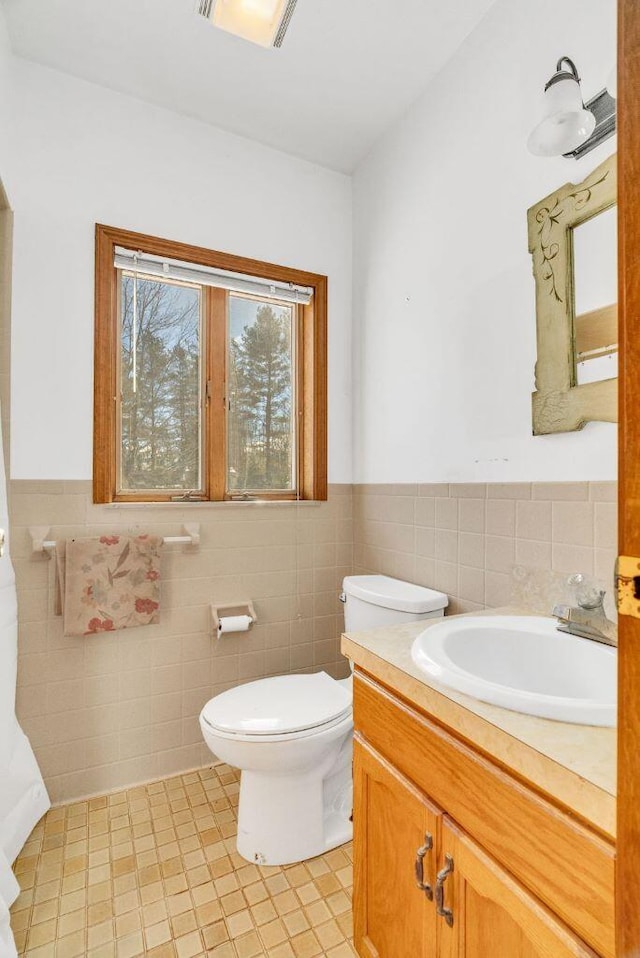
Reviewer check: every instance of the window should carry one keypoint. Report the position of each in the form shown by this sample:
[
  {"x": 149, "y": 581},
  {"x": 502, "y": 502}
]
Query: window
[{"x": 210, "y": 375}]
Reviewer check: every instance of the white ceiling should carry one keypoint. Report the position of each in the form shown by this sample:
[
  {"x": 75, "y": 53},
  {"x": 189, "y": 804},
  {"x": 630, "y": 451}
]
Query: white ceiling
[{"x": 347, "y": 70}]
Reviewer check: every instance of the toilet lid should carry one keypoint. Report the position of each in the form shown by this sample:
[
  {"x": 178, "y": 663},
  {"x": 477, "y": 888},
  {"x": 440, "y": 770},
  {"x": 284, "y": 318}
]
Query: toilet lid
[{"x": 286, "y": 703}]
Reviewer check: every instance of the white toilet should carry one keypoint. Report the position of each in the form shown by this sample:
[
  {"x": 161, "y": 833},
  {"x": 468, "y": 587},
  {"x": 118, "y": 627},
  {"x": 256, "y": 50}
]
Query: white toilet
[{"x": 292, "y": 737}]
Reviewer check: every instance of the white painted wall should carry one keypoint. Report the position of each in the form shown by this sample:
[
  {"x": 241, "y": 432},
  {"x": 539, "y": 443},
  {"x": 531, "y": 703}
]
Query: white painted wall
[
  {"x": 89, "y": 155},
  {"x": 5, "y": 92},
  {"x": 443, "y": 291}
]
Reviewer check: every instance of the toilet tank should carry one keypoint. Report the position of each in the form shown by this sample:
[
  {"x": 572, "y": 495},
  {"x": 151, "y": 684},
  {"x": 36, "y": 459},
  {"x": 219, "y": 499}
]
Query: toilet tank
[{"x": 373, "y": 601}]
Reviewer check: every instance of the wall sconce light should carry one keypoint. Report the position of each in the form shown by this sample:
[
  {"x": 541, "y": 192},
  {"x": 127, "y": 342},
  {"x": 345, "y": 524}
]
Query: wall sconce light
[
  {"x": 570, "y": 127},
  {"x": 260, "y": 21}
]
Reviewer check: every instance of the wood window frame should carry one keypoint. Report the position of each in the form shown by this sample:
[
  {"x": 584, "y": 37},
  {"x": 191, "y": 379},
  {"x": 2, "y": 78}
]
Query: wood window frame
[{"x": 311, "y": 369}]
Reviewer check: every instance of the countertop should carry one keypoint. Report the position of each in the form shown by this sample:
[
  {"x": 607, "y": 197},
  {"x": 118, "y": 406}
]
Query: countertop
[{"x": 573, "y": 764}]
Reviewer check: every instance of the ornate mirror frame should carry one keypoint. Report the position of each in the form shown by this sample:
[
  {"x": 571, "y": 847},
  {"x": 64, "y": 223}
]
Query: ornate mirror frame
[{"x": 559, "y": 405}]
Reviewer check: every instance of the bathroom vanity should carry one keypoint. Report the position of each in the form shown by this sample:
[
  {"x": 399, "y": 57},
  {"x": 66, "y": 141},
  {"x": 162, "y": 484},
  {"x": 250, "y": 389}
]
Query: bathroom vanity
[{"x": 478, "y": 831}]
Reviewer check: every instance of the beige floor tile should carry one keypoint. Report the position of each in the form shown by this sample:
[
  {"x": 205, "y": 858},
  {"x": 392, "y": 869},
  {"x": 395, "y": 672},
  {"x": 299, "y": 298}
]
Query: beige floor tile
[
  {"x": 148, "y": 874},
  {"x": 327, "y": 884},
  {"x": 77, "y": 920},
  {"x": 22, "y": 920},
  {"x": 282, "y": 951},
  {"x": 128, "y": 923},
  {"x": 130, "y": 946},
  {"x": 163, "y": 951},
  {"x": 285, "y": 902},
  {"x": 20, "y": 938},
  {"x": 71, "y": 946},
  {"x": 226, "y": 884},
  {"x": 151, "y": 893},
  {"x": 329, "y": 935},
  {"x": 308, "y": 893},
  {"x": 306, "y": 945},
  {"x": 203, "y": 894},
  {"x": 175, "y": 884},
  {"x": 126, "y": 902},
  {"x": 42, "y": 934},
  {"x": 100, "y": 892},
  {"x": 104, "y": 951},
  {"x": 215, "y": 934},
  {"x": 101, "y": 934},
  {"x": 247, "y": 875},
  {"x": 263, "y": 912},
  {"x": 154, "y": 913},
  {"x": 188, "y": 946},
  {"x": 296, "y": 922},
  {"x": 233, "y": 902},
  {"x": 345, "y": 922},
  {"x": 177, "y": 904},
  {"x": 154, "y": 871},
  {"x": 208, "y": 913},
  {"x": 157, "y": 934},
  {"x": 297, "y": 875},
  {"x": 184, "y": 923},
  {"x": 343, "y": 951},
  {"x": 171, "y": 867},
  {"x": 256, "y": 893},
  {"x": 198, "y": 876},
  {"x": 224, "y": 951},
  {"x": 276, "y": 883},
  {"x": 44, "y": 912},
  {"x": 248, "y": 946},
  {"x": 240, "y": 924},
  {"x": 273, "y": 933}
]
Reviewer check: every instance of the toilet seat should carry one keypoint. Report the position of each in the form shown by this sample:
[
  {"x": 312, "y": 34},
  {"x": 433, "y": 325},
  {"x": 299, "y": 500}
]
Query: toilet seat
[{"x": 283, "y": 707}]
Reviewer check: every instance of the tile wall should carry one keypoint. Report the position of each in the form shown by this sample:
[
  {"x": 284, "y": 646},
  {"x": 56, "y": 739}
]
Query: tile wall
[
  {"x": 113, "y": 710},
  {"x": 465, "y": 539}
]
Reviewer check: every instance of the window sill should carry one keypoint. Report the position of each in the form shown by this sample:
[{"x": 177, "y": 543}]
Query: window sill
[{"x": 214, "y": 504}]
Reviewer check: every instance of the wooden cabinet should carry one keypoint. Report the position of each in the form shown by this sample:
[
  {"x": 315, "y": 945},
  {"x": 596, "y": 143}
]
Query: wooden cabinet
[
  {"x": 487, "y": 912},
  {"x": 396, "y": 834},
  {"x": 506, "y": 873}
]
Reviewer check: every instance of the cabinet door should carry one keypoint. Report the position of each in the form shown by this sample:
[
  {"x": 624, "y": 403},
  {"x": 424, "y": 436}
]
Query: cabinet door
[
  {"x": 396, "y": 832},
  {"x": 484, "y": 911}
]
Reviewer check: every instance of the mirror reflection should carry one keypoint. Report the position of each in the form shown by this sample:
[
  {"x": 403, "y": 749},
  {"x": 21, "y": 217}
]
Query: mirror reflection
[{"x": 595, "y": 298}]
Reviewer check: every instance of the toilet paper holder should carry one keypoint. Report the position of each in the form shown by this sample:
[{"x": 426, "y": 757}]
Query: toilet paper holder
[{"x": 239, "y": 608}]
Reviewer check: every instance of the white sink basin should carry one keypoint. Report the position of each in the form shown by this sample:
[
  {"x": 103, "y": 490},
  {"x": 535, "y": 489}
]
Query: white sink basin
[{"x": 522, "y": 663}]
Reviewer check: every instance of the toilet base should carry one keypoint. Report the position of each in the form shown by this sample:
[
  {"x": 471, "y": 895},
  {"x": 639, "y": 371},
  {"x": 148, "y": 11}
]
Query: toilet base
[{"x": 283, "y": 819}]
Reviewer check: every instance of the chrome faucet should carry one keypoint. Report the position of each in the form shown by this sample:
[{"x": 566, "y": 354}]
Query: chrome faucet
[{"x": 588, "y": 619}]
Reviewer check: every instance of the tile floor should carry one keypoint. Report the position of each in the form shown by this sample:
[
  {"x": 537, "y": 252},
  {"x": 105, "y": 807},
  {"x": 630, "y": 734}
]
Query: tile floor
[{"x": 153, "y": 871}]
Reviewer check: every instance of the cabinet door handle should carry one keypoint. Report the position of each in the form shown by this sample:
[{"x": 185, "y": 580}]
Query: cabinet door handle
[
  {"x": 419, "y": 866},
  {"x": 443, "y": 874}
]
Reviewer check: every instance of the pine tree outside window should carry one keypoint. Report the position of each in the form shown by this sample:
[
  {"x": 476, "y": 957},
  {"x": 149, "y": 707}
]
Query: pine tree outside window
[
  {"x": 210, "y": 375},
  {"x": 261, "y": 395}
]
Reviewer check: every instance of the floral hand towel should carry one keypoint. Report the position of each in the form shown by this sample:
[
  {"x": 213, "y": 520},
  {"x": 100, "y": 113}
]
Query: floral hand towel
[{"x": 109, "y": 583}]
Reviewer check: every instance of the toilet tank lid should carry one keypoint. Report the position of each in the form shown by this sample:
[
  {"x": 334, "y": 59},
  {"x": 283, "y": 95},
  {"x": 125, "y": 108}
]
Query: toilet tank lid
[{"x": 394, "y": 593}]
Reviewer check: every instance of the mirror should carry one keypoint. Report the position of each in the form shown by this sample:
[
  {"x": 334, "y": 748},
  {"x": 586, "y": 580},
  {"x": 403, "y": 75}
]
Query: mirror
[
  {"x": 572, "y": 241},
  {"x": 595, "y": 295}
]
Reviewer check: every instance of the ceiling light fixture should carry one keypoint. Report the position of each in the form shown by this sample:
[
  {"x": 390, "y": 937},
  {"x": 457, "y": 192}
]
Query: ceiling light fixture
[
  {"x": 570, "y": 127},
  {"x": 260, "y": 21}
]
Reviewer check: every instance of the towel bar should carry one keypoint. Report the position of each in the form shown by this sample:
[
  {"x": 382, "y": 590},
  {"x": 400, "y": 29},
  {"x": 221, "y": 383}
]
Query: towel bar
[{"x": 40, "y": 543}]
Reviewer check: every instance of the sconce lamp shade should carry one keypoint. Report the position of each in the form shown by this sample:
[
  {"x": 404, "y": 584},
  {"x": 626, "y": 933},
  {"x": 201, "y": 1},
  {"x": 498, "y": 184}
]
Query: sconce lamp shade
[{"x": 567, "y": 124}]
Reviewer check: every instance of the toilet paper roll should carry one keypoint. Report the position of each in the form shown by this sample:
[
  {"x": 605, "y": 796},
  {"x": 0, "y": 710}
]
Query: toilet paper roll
[{"x": 234, "y": 623}]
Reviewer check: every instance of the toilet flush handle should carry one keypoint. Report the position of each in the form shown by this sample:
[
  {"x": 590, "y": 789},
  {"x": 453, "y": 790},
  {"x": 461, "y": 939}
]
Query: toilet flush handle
[{"x": 343, "y": 596}]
